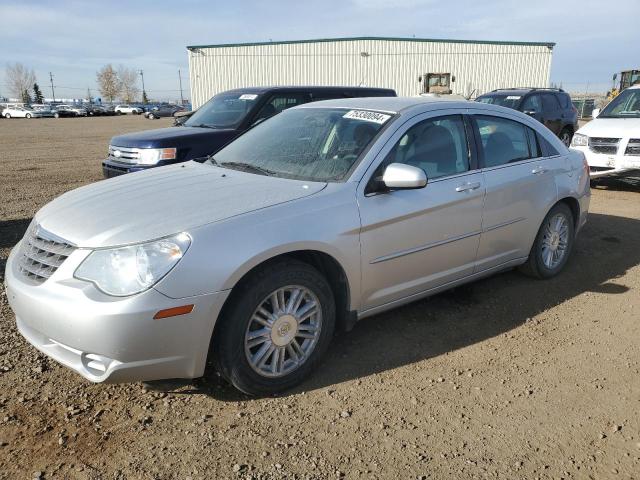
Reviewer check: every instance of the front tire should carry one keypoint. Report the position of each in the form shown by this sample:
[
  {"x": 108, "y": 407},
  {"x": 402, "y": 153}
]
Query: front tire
[
  {"x": 151, "y": 116},
  {"x": 565, "y": 136},
  {"x": 7, "y": 115},
  {"x": 553, "y": 244},
  {"x": 28, "y": 115},
  {"x": 56, "y": 115},
  {"x": 277, "y": 327}
]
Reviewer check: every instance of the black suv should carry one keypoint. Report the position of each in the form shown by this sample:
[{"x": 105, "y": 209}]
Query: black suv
[
  {"x": 550, "y": 106},
  {"x": 215, "y": 124}
]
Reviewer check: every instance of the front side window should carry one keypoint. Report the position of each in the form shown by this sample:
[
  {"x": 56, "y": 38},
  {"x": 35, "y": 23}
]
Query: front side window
[
  {"x": 315, "y": 144},
  {"x": 625, "y": 105},
  {"x": 503, "y": 141},
  {"x": 438, "y": 146},
  {"x": 532, "y": 104},
  {"x": 225, "y": 110}
]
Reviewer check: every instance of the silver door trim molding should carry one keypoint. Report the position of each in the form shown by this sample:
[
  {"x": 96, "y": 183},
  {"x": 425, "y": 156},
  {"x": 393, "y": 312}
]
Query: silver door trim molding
[
  {"x": 421, "y": 248},
  {"x": 503, "y": 224}
]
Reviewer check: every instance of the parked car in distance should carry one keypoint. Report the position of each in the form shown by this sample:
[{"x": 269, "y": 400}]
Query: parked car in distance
[
  {"x": 20, "y": 112},
  {"x": 65, "y": 110},
  {"x": 44, "y": 110},
  {"x": 611, "y": 141},
  {"x": 550, "y": 106},
  {"x": 95, "y": 110},
  {"x": 216, "y": 123},
  {"x": 124, "y": 109},
  {"x": 320, "y": 216},
  {"x": 164, "y": 111}
]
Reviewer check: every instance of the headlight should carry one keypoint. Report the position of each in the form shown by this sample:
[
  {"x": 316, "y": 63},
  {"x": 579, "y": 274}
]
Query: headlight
[
  {"x": 151, "y": 156},
  {"x": 579, "y": 140},
  {"x": 128, "y": 270}
]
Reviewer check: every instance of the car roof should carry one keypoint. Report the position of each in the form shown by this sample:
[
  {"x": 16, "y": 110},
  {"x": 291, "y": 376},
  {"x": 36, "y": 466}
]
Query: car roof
[
  {"x": 521, "y": 91},
  {"x": 310, "y": 88},
  {"x": 386, "y": 104}
]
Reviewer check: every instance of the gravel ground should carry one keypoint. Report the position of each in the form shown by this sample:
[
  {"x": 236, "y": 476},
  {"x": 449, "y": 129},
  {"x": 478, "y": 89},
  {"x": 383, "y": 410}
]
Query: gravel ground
[{"x": 505, "y": 378}]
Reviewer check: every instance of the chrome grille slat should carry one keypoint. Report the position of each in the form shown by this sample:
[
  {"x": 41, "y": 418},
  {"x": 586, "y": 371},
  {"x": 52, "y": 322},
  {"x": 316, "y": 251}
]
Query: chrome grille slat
[
  {"x": 126, "y": 155},
  {"x": 41, "y": 255},
  {"x": 633, "y": 147},
  {"x": 604, "y": 145}
]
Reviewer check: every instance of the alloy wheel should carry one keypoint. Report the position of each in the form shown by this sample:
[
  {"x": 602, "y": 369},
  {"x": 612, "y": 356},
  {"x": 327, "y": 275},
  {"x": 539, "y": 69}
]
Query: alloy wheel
[
  {"x": 283, "y": 331},
  {"x": 555, "y": 241}
]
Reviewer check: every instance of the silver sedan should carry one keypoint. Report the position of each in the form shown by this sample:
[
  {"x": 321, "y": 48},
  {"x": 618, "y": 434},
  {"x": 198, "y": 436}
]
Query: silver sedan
[{"x": 319, "y": 217}]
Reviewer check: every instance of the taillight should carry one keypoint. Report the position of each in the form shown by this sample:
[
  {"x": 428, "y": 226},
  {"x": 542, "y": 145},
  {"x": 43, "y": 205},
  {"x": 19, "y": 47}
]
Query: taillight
[{"x": 585, "y": 165}]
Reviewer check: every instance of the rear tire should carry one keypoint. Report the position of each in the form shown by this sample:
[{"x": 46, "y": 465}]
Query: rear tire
[
  {"x": 553, "y": 244},
  {"x": 151, "y": 116},
  {"x": 7, "y": 115},
  {"x": 28, "y": 115},
  {"x": 266, "y": 315},
  {"x": 566, "y": 134},
  {"x": 56, "y": 115}
]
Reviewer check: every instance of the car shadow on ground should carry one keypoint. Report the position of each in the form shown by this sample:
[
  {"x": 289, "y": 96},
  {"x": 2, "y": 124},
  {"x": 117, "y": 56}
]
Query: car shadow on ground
[
  {"x": 11, "y": 231},
  {"x": 622, "y": 183},
  {"x": 606, "y": 249}
]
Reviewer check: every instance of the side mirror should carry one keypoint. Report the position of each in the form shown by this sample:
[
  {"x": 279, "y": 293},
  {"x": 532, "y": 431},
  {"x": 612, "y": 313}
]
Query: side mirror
[
  {"x": 398, "y": 176},
  {"x": 595, "y": 112}
]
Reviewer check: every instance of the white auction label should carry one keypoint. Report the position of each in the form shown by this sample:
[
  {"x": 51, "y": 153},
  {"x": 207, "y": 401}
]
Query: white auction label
[
  {"x": 248, "y": 96},
  {"x": 367, "y": 116}
]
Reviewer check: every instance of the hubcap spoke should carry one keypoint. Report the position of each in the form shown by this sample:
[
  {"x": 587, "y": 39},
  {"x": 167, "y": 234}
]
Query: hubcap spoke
[{"x": 283, "y": 331}]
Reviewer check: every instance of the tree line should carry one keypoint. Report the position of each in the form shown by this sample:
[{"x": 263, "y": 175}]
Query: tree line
[{"x": 113, "y": 83}]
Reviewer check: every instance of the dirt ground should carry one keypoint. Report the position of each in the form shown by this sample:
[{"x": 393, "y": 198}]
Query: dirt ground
[{"x": 506, "y": 378}]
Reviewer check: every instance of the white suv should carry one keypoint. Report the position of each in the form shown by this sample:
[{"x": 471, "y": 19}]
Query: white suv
[
  {"x": 611, "y": 142},
  {"x": 120, "y": 109}
]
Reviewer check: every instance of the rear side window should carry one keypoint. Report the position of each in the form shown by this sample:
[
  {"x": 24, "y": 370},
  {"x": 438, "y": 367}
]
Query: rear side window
[
  {"x": 550, "y": 102},
  {"x": 565, "y": 100},
  {"x": 503, "y": 141},
  {"x": 548, "y": 150},
  {"x": 532, "y": 104}
]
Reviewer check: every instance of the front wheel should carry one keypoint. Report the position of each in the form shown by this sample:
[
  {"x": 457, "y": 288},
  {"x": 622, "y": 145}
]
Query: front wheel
[
  {"x": 276, "y": 329},
  {"x": 56, "y": 115},
  {"x": 553, "y": 244},
  {"x": 28, "y": 115},
  {"x": 7, "y": 115},
  {"x": 151, "y": 116}
]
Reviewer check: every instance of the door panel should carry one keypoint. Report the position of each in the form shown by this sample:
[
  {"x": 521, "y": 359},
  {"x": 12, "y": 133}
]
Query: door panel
[
  {"x": 414, "y": 240},
  {"x": 518, "y": 192}
]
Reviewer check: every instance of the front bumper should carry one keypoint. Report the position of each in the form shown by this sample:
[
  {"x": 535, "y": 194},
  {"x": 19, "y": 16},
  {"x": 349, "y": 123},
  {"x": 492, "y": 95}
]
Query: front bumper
[
  {"x": 111, "y": 339},
  {"x": 603, "y": 164},
  {"x": 112, "y": 168}
]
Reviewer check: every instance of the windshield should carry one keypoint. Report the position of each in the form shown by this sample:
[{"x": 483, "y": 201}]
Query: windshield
[
  {"x": 314, "y": 144},
  {"x": 625, "y": 105},
  {"x": 510, "y": 101},
  {"x": 223, "y": 111}
]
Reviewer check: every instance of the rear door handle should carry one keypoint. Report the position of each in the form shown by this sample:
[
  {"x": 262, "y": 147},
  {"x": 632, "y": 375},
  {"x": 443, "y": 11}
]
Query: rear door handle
[
  {"x": 466, "y": 187},
  {"x": 539, "y": 170}
]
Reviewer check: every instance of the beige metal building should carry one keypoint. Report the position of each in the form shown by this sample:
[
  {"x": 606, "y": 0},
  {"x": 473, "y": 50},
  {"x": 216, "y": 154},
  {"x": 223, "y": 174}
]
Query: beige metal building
[{"x": 408, "y": 65}]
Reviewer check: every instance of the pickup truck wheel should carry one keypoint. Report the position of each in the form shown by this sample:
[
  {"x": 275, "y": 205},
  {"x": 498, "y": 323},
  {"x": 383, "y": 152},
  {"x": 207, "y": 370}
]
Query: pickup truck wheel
[
  {"x": 553, "y": 244},
  {"x": 277, "y": 327}
]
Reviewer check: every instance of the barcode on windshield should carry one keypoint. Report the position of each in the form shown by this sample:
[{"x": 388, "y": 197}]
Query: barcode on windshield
[{"x": 367, "y": 116}]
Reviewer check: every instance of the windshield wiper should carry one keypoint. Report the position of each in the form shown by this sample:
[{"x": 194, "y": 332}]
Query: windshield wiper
[
  {"x": 202, "y": 125},
  {"x": 245, "y": 167}
]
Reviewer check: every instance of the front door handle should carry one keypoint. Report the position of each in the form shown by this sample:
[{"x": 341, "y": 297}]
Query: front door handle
[
  {"x": 539, "y": 170},
  {"x": 466, "y": 187}
]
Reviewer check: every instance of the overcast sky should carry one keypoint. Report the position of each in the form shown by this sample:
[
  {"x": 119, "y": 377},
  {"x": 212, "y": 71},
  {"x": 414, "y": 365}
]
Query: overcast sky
[{"x": 73, "y": 39}]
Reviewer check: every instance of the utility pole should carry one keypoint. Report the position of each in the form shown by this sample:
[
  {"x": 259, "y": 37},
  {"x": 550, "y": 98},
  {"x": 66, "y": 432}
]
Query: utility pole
[
  {"x": 144, "y": 92},
  {"x": 53, "y": 93},
  {"x": 180, "y": 81}
]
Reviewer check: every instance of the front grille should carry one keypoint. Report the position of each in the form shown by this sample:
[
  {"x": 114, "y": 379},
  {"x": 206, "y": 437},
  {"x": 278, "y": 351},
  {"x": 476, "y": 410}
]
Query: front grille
[
  {"x": 124, "y": 154},
  {"x": 633, "y": 147},
  {"x": 604, "y": 145},
  {"x": 42, "y": 253}
]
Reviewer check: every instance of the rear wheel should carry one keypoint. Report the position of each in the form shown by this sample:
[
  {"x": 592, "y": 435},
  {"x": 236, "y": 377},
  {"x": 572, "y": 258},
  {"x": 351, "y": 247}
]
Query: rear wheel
[
  {"x": 565, "y": 136},
  {"x": 28, "y": 115},
  {"x": 56, "y": 115},
  {"x": 7, "y": 115},
  {"x": 276, "y": 329},
  {"x": 151, "y": 116},
  {"x": 553, "y": 244}
]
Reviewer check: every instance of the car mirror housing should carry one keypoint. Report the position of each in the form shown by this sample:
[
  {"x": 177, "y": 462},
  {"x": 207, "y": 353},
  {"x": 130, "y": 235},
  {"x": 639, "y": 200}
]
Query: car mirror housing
[
  {"x": 595, "y": 112},
  {"x": 398, "y": 176}
]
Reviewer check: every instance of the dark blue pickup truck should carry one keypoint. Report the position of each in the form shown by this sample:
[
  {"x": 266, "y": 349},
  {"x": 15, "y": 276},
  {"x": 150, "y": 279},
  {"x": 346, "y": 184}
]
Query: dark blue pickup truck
[{"x": 215, "y": 124}]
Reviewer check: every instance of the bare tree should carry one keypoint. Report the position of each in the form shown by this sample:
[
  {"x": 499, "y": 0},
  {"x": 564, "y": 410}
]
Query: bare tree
[
  {"x": 129, "y": 81},
  {"x": 108, "y": 82},
  {"x": 19, "y": 79}
]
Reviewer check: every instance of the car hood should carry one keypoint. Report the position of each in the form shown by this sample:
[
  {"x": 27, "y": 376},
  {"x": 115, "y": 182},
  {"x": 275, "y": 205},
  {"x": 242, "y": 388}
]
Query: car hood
[
  {"x": 162, "y": 201},
  {"x": 612, "y": 127},
  {"x": 166, "y": 137}
]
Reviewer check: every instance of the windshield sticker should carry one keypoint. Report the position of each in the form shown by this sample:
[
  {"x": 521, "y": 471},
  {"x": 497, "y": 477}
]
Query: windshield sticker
[
  {"x": 513, "y": 97},
  {"x": 248, "y": 96},
  {"x": 367, "y": 116}
]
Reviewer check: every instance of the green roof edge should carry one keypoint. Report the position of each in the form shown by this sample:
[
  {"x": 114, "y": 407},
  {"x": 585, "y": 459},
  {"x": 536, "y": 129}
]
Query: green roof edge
[{"x": 393, "y": 39}]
